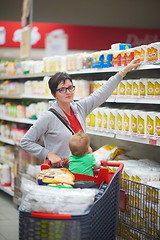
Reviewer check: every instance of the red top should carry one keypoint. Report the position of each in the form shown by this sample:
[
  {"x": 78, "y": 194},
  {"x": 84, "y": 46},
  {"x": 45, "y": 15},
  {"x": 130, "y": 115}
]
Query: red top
[{"x": 74, "y": 123}]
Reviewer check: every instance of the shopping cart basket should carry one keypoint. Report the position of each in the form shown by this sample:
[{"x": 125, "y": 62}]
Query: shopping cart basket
[{"x": 98, "y": 222}]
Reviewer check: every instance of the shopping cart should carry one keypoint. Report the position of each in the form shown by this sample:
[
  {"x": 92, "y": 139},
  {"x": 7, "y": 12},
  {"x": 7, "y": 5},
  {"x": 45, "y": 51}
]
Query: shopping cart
[{"x": 98, "y": 222}]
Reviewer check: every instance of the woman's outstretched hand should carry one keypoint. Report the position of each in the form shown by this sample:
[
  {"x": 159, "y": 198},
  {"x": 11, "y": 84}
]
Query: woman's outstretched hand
[{"x": 134, "y": 64}]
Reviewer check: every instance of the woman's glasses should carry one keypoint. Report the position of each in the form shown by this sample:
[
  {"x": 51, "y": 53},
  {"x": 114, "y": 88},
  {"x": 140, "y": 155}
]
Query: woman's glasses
[{"x": 64, "y": 90}]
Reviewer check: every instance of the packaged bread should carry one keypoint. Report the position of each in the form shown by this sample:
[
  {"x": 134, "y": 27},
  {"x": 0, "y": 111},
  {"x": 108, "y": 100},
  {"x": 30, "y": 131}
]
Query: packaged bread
[{"x": 55, "y": 176}]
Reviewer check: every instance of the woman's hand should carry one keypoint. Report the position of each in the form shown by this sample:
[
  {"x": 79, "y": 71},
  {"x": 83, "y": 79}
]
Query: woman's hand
[
  {"x": 56, "y": 161},
  {"x": 134, "y": 64}
]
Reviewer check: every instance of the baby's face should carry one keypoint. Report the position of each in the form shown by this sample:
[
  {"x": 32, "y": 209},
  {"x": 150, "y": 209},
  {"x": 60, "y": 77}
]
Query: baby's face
[{"x": 90, "y": 150}]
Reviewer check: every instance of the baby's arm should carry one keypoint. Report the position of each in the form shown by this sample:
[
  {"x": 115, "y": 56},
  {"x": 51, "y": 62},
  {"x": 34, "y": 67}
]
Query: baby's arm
[{"x": 97, "y": 165}]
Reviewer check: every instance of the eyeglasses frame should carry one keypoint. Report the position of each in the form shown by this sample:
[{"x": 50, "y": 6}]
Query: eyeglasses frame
[{"x": 60, "y": 89}]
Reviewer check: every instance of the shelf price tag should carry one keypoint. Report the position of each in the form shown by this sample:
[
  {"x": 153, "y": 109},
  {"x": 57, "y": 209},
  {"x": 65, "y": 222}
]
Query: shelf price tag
[{"x": 152, "y": 141}]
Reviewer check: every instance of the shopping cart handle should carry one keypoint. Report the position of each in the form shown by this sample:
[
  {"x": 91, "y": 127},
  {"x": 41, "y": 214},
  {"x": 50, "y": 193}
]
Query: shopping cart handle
[
  {"x": 46, "y": 165},
  {"x": 113, "y": 164},
  {"x": 120, "y": 166}
]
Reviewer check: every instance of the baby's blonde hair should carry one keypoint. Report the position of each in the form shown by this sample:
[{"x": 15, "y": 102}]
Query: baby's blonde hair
[{"x": 79, "y": 144}]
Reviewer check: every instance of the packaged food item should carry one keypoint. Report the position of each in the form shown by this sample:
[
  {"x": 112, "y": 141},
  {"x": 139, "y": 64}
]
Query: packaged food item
[
  {"x": 116, "y": 59},
  {"x": 106, "y": 119},
  {"x": 108, "y": 152},
  {"x": 129, "y": 87},
  {"x": 134, "y": 115},
  {"x": 99, "y": 119},
  {"x": 149, "y": 53},
  {"x": 115, "y": 92},
  {"x": 155, "y": 53},
  {"x": 112, "y": 119},
  {"x": 127, "y": 122},
  {"x": 143, "y": 54},
  {"x": 157, "y": 125},
  {"x": 120, "y": 46},
  {"x": 157, "y": 88},
  {"x": 96, "y": 61},
  {"x": 91, "y": 120},
  {"x": 120, "y": 119},
  {"x": 123, "y": 58},
  {"x": 141, "y": 123},
  {"x": 137, "y": 51},
  {"x": 150, "y": 124},
  {"x": 129, "y": 55},
  {"x": 106, "y": 58},
  {"x": 55, "y": 175},
  {"x": 150, "y": 87},
  {"x": 122, "y": 88},
  {"x": 136, "y": 88},
  {"x": 142, "y": 87}
]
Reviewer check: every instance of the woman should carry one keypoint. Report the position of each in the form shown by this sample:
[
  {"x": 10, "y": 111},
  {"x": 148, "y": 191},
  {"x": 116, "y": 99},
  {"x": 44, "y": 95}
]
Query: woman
[{"x": 55, "y": 134}]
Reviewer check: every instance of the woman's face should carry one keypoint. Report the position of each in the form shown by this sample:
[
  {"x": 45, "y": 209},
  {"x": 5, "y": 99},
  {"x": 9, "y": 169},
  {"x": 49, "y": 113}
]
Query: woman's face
[{"x": 64, "y": 95}]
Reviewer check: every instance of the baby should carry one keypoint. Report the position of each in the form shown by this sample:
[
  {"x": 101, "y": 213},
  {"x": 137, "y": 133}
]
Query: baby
[{"x": 81, "y": 159}]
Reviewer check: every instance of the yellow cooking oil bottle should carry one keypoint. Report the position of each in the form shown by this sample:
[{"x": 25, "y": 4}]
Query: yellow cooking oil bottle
[
  {"x": 134, "y": 116},
  {"x": 150, "y": 87},
  {"x": 129, "y": 87},
  {"x": 119, "y": 123},
  {"x": 141, "y": 123},
  {"x": 113, "y": 119},
  {"x": 127, "y": 122},
  {"x": 157, "y": 125},
  {"x": 99, "y": 118},
  {"x": 150, "y": 124},
  {"x": 157, "y": 87},
  {"x": 135, "y": 88},
  {"x": 142, "y": 87},
  {"x": 105, "y": 123}
]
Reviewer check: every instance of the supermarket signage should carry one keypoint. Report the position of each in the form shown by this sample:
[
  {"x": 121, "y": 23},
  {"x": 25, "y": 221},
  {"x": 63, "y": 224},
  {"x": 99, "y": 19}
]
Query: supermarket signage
[
  {"x": 26, "y": 21},
  {"x": 79, "y": 37}
]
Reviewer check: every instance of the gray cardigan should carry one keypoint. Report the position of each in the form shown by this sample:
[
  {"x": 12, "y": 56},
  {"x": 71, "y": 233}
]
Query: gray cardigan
[{"x": 54, "y": 133}]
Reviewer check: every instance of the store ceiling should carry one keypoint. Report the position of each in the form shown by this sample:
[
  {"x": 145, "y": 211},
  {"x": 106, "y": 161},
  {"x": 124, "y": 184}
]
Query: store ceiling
[{"x": 124, "y": 13}]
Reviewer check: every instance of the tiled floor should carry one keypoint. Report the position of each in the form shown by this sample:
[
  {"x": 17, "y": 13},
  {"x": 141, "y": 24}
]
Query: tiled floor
[{"x": 8, "y": 218}]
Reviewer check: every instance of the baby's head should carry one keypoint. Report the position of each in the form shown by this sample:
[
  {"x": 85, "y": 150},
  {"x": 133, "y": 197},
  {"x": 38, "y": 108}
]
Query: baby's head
[{"x": 79, "y": 144}]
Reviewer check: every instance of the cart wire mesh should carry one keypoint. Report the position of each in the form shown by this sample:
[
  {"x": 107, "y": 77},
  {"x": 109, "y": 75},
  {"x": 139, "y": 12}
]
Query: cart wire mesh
[{"x": 140, "y": 220}]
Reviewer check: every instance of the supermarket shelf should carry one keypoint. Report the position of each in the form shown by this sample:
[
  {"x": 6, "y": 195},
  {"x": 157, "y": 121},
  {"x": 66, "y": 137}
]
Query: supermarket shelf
[
  {"x": 101, "y": 133},
  {"x": 130, "y": 138},
  {"x": 11, "y": 96},
  {"x": 7, "y": 140},
  {"x": 22, "y": 76},
  {"x": 81, "y": 71},
  {"x": 7, "y": 190},
  {"x": 19, "y": 120},
  {"x": 36, "y": 96},
  {"x": 148, "y": 100},
  {"x": 117, "y": 99},
  {"x": 31, "y": 96}
]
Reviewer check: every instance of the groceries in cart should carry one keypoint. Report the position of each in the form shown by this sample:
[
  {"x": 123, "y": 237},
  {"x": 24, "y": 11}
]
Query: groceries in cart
[
  {"x": 39, "y": 198},
  {"x": 56, "y": 177}
]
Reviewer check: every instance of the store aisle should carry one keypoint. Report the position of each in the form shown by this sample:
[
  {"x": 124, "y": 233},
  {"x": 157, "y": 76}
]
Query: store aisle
[{"x": 8, "y": 218}]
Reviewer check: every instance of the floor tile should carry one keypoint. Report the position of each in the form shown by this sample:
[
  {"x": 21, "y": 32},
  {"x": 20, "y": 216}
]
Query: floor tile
[{"x": 9, "y": 225}]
